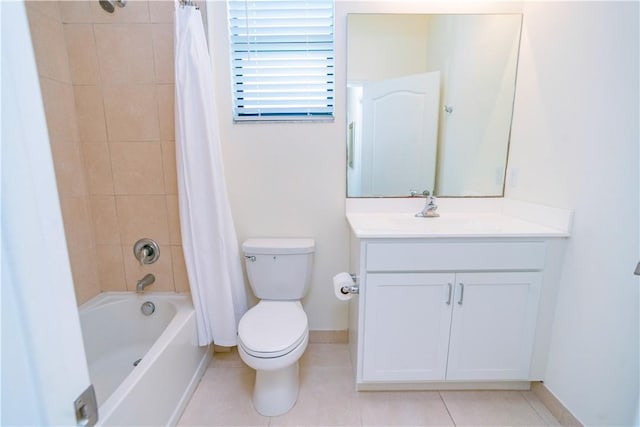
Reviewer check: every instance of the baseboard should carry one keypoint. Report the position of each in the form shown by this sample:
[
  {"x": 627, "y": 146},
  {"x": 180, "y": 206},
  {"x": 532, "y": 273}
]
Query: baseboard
[
  {"x": 441, "y": 386},
  {"x": 329, "y": 337},
  {"x": 557, "y": 409}
]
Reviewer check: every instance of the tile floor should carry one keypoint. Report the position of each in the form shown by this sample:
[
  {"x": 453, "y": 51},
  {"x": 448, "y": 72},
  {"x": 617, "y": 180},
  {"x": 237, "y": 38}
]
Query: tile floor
[{"x": 328, "y": 398}]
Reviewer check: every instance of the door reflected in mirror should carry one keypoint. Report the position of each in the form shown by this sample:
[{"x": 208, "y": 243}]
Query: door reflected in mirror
[{"x": 429, "y": 103}]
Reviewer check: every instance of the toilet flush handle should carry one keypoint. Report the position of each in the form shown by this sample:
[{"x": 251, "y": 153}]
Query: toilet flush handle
[{"x": 250, "y": 258}]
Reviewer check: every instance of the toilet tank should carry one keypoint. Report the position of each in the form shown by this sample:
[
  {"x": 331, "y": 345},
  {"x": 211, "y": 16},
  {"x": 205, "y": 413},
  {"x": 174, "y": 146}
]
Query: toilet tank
[{"x": 279, "y": 269}]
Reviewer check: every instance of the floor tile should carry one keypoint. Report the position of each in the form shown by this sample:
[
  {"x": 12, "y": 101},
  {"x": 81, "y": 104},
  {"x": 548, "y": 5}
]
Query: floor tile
[
  {"x": 490, "y": 408},
  {"x": 229, "y": 359},
  {"x": 397, "y": 408},
  {"x": 325, "y": 356},
  {"x": 327, "y": 398},
  {"x": 223, "y": 398}
]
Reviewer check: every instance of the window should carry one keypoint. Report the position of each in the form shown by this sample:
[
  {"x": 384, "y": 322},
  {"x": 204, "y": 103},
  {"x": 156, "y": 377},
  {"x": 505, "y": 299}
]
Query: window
[{"x": 282, "y": 59}]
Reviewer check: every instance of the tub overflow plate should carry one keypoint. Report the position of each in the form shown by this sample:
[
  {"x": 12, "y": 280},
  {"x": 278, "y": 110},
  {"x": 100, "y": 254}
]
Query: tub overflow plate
[{"x": 148, "y": 308}]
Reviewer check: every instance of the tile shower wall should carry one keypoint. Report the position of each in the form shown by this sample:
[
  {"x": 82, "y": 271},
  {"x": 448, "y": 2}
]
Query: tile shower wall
[
  {"x": 48, "y": 38},
  {"x": 120, "y": 75}
]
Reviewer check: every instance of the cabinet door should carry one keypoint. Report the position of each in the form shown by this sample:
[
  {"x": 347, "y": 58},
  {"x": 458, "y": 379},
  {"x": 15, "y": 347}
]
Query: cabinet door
[
  {"x": 493, "y": 326},
  {"x": 407, "y": 318}
]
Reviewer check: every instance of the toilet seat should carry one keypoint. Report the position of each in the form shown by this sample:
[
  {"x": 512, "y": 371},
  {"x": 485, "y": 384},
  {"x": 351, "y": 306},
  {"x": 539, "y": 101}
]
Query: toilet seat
[{"x": 273, "y": 328}]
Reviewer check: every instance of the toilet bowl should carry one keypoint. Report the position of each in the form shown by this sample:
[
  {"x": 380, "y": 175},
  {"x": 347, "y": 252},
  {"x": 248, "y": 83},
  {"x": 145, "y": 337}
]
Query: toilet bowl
[{"x": 273, "y": 335}]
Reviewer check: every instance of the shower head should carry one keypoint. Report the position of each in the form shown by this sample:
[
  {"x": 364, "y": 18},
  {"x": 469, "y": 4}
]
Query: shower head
[{"x": 109, "y": 5}]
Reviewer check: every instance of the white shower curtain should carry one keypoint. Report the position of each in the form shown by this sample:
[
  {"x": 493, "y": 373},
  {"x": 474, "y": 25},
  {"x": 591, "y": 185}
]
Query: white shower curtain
[{"x": 208, "y": 234}]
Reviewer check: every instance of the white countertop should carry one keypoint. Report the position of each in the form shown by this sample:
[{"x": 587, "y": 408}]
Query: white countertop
[{"x": 502, "y": 220}]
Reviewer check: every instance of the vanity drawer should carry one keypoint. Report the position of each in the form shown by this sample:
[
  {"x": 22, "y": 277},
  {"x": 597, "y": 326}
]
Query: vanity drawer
[{"x": 455, "y": 256}]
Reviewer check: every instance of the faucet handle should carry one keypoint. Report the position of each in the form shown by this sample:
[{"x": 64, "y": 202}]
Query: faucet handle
[{"x": 146, "y": 251}]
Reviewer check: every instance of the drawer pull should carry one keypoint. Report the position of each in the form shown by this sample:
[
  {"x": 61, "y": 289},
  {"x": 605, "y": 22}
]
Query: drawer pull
[
  {"x": 450, "y": 293},
  {"x": 461, "y": 293}
]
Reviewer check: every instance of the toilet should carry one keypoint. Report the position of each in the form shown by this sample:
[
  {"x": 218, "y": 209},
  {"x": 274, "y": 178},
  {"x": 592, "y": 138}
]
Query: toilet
[{"x": 273, "y": 335}]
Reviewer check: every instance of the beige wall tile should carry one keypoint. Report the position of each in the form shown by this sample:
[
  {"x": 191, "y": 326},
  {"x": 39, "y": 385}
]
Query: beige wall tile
[
  {"x": 76, "y": 11},
  {"x": 90, "y": 113},
  {"x": 170, "y": 169},
  {"x": 76, "y": 217},
  {"x": 163, "y": 52},
  {"x": 125, "y": 53},
  {"x": 161, "y": 11},
  {"x": 131, "y": 112},
  {"x": 173, "y": 215},
  {"x": 59, "y": 108},
  {"x": 82, "y": 254},
  {"x": 180, "y": 276},
  {"x": 142, "y": 216},
  {"x": 166, "y": 116},
  {"x": 137, "y": 168},
  {"x": 49, "y": 46},
  {"x": 162, "y": 269},
  {"x": 105, "y": 220},
  {"x": 84, "y": 271},
  {"x": 134, "y": 11},
  {"x": 81, "y": 48},
  {"x": 69, "y": 169},
  {"x": 110, "y": 268},
  {"x": 49, "y": 8},
  {"x": 98, "y": 168},
  {"x": 85, "y": 282}
]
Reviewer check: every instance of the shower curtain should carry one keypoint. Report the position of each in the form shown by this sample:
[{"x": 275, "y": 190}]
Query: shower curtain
[{"x": 208, "y": 234}]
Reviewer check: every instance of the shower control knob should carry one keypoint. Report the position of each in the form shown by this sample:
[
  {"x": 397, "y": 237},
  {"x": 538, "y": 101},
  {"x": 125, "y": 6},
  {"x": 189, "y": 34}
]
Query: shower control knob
[{"x": 146, "y": 251}]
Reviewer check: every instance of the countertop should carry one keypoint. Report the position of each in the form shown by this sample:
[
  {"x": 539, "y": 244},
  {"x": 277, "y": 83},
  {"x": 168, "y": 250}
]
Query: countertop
[{"x": 496, "y": 224}]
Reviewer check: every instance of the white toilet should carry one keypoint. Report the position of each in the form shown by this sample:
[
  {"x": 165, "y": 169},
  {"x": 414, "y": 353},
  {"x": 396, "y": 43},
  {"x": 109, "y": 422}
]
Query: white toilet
[{"x": 274, "y": 333}]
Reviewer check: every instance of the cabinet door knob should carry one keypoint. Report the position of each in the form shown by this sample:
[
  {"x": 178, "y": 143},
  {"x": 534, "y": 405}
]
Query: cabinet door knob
[
  {"x": 461, "y": 293},
  {"x": 450, "y": 293}
]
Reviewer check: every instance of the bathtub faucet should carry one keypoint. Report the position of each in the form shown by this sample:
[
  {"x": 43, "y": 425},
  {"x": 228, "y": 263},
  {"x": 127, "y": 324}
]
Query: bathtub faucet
[{"x": 144, "y": 282}]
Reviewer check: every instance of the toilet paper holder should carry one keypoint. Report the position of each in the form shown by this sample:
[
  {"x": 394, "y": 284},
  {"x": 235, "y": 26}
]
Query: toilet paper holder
[{"x": 351, "y": 289}]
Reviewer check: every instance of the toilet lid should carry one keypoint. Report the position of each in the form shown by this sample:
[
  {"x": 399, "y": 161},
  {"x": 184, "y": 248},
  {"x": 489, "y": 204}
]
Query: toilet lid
[{"x": 272, "y": 328}]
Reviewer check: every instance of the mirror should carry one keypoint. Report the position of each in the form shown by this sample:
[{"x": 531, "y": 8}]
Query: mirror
[{"x": 429, "y": 103}]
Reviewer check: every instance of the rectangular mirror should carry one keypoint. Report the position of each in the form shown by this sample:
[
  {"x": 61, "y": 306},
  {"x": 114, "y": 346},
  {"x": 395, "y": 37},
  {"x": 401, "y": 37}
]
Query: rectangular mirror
[{"x": 429, "y": 103}]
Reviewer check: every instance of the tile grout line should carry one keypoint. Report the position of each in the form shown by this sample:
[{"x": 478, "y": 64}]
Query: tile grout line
[{"x": 447, "y": 408}]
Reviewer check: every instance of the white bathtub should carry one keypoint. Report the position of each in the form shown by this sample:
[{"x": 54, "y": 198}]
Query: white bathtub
[{"x": 117, "y": 334}]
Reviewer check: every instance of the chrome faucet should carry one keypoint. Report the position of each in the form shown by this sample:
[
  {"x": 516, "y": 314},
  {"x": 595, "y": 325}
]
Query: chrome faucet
[
  {"x": 430, "y": 207},
  {"x": 144, "y": 282}
]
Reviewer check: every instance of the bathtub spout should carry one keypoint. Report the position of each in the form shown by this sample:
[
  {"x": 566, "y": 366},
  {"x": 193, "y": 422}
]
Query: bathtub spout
[{"x": 144, "y": 282}]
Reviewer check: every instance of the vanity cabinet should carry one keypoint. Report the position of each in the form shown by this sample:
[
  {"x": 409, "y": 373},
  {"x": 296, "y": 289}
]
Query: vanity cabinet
[
  {"x": 454, "y": 326},
  {"x": 448, "y": 309}
]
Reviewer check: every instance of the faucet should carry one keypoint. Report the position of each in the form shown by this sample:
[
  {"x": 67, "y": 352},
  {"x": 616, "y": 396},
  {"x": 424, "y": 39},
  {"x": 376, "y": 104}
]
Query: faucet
[
  {"x": 430, "y": 207},
  {"x": 144, "y": 282}
]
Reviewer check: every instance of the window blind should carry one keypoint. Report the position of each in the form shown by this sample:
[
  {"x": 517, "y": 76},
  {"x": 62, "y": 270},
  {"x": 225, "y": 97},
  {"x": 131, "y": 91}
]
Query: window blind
[{"x": 282, "y": 59}]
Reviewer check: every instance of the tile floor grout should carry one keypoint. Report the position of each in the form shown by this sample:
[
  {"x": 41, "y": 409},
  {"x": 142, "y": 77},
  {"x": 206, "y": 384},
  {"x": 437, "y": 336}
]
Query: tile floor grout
[
  {"x": 328, "y": 396},
  {"x": 447, "y": 409}
]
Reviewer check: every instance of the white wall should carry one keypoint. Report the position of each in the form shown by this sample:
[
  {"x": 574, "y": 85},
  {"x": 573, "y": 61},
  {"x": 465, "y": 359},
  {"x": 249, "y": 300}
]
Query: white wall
[
  {"x": 386, "y": 47},
  {"x": 575, "y": 144},
  {"x": 289, "y": 179},
  {"x": 477, "y": 55}
]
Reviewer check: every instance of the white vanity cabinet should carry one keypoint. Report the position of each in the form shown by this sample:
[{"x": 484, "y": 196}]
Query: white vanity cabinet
[
  {"x": 449, "y": 326},
  {"x": 447, "y": 310}
]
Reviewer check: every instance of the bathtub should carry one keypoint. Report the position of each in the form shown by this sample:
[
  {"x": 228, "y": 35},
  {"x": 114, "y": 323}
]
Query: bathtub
[{"x": 143, "y": 368}]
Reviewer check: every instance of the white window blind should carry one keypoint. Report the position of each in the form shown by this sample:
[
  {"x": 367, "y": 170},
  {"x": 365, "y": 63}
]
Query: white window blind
[{"x": 282, "y": 59}]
